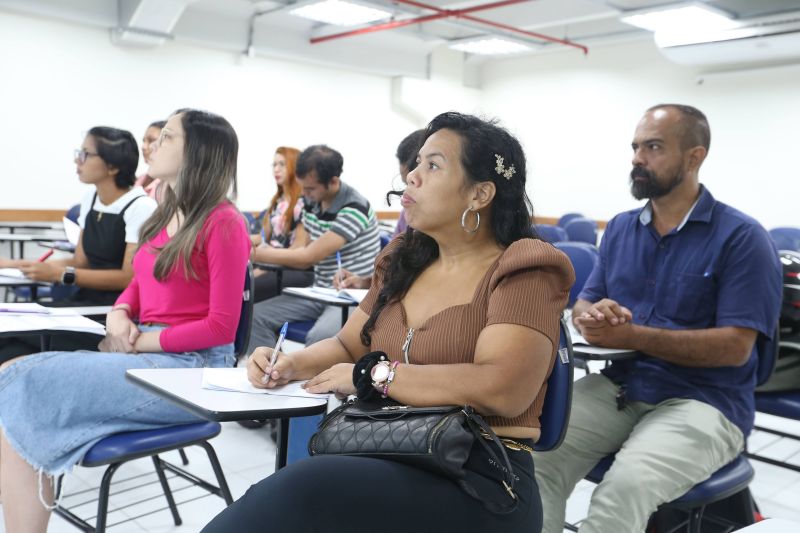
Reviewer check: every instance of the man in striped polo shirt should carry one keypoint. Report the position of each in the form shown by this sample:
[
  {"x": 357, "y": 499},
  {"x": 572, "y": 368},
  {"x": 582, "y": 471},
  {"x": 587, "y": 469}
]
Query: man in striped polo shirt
[{"x": 336, "y": 218}]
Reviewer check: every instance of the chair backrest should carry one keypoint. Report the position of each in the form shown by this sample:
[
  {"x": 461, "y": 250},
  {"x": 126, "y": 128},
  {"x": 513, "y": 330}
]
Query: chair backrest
[
  {"x": 551, "y": 233},
  {"x": 584, "y": 257},
  {"x": 786, "y": 238},
  {"x": 558, "y": 397},
  {"x": 73, "y": 213},
  {"x": 582, "y": 230},
  {"x": 246, "y": 316},
  {"x": 252, "y": 224},
  {"x": 385, "y": 239},
  {"x": 566, "y": 218}
]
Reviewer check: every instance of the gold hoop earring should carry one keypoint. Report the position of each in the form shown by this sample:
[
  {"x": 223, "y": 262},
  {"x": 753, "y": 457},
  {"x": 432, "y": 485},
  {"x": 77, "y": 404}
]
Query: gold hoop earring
[{"x": 464, "y": 221}]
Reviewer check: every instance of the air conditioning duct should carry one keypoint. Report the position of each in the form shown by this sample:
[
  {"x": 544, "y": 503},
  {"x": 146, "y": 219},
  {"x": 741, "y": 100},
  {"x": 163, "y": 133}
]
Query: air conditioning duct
[{"x": 766, "y": 42}]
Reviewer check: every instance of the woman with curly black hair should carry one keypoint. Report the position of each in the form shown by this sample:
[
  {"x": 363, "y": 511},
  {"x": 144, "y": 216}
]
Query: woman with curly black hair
[{"x": 466, "y": 308}]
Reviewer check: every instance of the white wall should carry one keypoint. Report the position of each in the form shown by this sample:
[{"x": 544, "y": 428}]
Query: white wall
[
  {"x": 574, "y": 114},
  {"x": 58, "y": 80},
  {"x": 576, "y": 117}
]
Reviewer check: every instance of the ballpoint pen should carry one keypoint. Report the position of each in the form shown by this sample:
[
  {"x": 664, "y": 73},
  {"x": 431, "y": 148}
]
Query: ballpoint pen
[
  {"x": 45, "y": 255},
  {"x": 275, "y": 351}
]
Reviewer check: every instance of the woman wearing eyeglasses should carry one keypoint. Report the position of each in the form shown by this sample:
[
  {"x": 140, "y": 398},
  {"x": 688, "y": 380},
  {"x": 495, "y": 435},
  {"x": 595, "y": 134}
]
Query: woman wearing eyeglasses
[
  {"x": 189, "y": 270},
  {"x": 110, "y": 218}
]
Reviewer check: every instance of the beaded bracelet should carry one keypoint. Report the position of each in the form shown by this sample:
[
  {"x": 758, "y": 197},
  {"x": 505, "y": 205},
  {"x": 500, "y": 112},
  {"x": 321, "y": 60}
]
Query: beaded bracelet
[{"x": 389, "y": 379}]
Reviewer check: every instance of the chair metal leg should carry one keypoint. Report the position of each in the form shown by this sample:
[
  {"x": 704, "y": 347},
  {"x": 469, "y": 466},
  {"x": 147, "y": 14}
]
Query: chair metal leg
[
  {"x": 102, "y": 499},
  {"x": 695, "y": 519},
  {"x": 176, "y": 517},
  {"x": 282, "y": 443},
  {"x": 184, "y": 459},
  {"x": 221, "y": 481}
]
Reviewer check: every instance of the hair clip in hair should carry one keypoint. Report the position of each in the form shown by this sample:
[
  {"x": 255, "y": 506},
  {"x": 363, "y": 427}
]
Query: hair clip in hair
[{"x": 502, "y": 170}]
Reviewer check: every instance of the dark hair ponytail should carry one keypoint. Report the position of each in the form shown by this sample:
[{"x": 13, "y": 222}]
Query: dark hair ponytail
[{"x": 482, "y": 142}]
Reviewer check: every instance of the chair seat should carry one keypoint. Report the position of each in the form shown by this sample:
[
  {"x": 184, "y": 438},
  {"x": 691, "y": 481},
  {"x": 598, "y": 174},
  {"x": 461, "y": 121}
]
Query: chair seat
[
  {"x": 24, "y": 293},
  {"x": 297, "y": 331},
  {"x": 784, "y": 404},
  {"x": 728, "y": 480},
  {"x": 134, "y": 444}
]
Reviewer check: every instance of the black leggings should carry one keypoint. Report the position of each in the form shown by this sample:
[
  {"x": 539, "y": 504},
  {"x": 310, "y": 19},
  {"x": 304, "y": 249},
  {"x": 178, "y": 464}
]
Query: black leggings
[{"x": 356, "y": 494}]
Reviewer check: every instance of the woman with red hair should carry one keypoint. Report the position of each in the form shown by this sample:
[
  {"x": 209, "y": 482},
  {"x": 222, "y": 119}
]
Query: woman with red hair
[{"x": 280, "y": 222}]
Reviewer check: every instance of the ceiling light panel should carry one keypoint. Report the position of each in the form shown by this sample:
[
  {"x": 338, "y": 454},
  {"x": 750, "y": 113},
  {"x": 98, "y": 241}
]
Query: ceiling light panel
[
  {"x": 340, "y": 13},
  {"x": 490, "y": 47},
  {"x": 685, "y": 18}
]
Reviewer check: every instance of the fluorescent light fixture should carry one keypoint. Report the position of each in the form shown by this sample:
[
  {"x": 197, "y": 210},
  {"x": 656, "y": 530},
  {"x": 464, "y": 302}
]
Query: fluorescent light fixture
[
  {"x": 340, "y": 13},
  {"x": 490, "y": 47},
  {"x": 685, "y": 18}
]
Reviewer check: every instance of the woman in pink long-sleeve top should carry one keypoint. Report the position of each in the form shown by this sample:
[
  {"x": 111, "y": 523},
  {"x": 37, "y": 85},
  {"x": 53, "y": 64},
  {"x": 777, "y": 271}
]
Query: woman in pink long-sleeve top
[{"x": 181, "y": 310}]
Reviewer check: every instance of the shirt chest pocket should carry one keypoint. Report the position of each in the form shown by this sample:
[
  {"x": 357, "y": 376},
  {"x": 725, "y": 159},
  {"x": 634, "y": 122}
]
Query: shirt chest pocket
[{"x": 691, "y": 300}]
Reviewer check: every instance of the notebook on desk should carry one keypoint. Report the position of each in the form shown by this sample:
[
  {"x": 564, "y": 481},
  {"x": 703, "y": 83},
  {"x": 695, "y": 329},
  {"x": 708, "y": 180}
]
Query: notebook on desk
[
  {"x": 351, "y": 296},
  {"x": 21, "y": 317},
  {"x": 12, "y": 273},
  {"x": 235, "y": 380}
]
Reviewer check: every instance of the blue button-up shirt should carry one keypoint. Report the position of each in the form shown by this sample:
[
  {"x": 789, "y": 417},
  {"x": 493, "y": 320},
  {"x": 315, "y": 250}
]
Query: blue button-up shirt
[{"x": 717, "y": 268}]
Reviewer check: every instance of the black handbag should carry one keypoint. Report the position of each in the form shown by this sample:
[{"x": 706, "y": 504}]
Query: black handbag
[{"x": 437, "y": 439}]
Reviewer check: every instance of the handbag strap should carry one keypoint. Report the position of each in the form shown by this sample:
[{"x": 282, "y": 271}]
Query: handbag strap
[{"x": 477, "y": 424}]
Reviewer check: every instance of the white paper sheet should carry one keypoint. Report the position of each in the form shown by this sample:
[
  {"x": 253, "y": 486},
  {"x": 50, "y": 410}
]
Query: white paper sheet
[
  {"x": 72, "y": 230},
  {"x": 34, "y": 317},
  {"x": 332, "y": 295},
  {"x": 235, "y": 380},
  {"x": 11, "y": 273}
]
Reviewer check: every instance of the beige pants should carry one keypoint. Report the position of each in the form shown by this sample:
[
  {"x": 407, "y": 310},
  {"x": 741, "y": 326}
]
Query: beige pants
[{"x": 664, "y": 450}]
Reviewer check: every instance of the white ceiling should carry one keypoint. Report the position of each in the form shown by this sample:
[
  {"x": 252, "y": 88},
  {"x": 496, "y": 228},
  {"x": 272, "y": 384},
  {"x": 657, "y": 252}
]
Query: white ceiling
[{"x": 272, "y": 31}]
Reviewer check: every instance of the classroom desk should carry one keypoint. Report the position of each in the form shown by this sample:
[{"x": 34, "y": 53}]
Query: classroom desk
[
  {"x": 22, "y": 238},
  {"x": 344, "y": 303},
  {"x": 589, "y": 352},
  {"x": 44, "y": 332},
  {"x": 12, "y": 226},
  {"x": 63, "y": 246},
  {"x": 23, "y": 282},
  {"x": 278, "y": 269},
  {"x": 182, "y": 386}
]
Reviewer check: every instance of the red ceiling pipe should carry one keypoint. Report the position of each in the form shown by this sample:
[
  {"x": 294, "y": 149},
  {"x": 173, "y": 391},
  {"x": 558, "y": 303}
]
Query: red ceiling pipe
[
  {"x": 527, "y": 33},
  {"x": 464, "y": 13},
  {"x": 441, "y": 14},
  {"x": 447, "y": 13}
]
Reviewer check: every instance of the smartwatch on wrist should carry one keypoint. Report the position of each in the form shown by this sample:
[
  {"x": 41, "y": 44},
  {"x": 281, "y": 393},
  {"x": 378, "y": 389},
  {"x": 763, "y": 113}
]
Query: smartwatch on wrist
[{"x": 68, "y": 276}]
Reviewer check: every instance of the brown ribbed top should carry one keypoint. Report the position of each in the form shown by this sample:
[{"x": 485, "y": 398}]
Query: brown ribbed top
[{"x": 527, "y": 285}]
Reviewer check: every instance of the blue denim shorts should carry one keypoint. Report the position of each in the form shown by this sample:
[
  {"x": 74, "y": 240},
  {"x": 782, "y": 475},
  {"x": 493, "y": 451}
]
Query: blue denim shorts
[{"x": 54, "y": 406}]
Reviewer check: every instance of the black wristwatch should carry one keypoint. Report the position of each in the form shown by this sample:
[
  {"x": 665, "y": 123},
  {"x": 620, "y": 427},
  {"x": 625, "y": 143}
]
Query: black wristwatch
[{"x": 68, "y": 277}]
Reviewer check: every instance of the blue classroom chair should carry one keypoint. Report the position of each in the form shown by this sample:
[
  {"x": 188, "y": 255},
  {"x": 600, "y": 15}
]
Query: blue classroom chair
[
  {"x": 551, "y": 233},
  {"x": 786, "y": 238},
  {"x": 583, "y": 257},
  {"x": 728, "y": 483},
  {"x": 115, "y": 450},
  {"x": 582, "y": 230},
  {"x": 567, "y": 217}
]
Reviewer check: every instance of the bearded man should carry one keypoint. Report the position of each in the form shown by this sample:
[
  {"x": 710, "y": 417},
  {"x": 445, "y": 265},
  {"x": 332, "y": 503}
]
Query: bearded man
[{"x": 694, "y": 287}]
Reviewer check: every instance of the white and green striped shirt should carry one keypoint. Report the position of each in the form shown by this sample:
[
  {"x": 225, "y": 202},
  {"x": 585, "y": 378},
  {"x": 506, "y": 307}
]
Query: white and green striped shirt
[{"x": 351, "y": 217}]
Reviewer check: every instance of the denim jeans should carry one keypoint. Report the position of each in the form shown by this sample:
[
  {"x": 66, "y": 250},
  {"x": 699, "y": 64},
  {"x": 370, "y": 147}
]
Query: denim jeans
[{"x": 54, "y": 406}]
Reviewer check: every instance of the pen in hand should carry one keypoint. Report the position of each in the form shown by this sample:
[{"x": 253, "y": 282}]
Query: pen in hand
[
  {"x": 275, "y": 351},
  {"x": 44, "y": 257}
]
